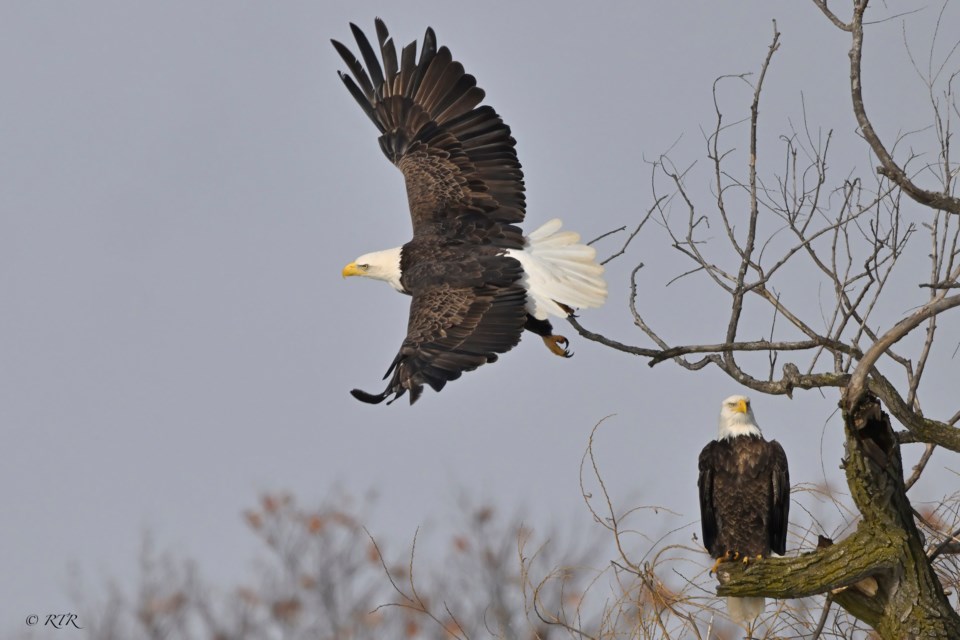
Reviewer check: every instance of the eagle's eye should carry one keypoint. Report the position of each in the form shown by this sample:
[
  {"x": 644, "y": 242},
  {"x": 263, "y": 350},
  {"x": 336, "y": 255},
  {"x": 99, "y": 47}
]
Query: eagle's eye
[{"x": 363, "y": 267}]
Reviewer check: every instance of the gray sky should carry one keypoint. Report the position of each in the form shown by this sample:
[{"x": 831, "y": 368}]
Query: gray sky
[{"x": 182, "y": 183}]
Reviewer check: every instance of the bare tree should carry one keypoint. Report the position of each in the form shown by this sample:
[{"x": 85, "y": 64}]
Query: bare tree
[
  {"x": 784, "y": 238},
  {"x": 321, "y": 579}
]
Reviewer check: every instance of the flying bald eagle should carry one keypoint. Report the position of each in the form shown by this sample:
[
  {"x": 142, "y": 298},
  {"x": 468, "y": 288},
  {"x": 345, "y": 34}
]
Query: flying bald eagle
[
  {"x": 475, "y": 281},
  {"x": 744, "y": 496}
]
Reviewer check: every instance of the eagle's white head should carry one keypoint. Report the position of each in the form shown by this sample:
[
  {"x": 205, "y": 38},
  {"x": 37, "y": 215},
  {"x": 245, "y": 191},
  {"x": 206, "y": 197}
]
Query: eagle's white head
[
  {"x": 736, "y": 418},
  {"x": 379, "y": 265}
]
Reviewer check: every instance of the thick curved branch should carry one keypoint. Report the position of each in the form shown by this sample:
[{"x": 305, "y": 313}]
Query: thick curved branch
[
  {"x": 888, "y": 167},
  {"x": 919, "y": 428},
  {"x": 867, "y": 552}
]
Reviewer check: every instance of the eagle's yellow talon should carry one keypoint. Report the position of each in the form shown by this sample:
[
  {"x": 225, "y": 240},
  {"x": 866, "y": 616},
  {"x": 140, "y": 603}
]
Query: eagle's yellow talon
[
  {"x": 557, "y": 345},
  {"x": 716, "y": 565}
]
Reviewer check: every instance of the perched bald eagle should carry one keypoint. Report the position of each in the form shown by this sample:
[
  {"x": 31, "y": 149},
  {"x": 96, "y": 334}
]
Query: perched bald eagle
[
  {"x": 475, "y": 281},
  {"x": 744, "y": 496}
]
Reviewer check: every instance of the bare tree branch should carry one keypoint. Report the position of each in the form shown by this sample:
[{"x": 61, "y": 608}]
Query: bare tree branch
[
  {"x": 857, "y": 386},
  {"x": 888, "y": 166}
]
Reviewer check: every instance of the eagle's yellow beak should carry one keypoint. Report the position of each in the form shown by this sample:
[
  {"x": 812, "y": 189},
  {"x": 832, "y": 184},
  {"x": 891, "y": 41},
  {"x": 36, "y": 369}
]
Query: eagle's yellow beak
[
  {"x": 351, "y": 270},
  {"x": 742, "y": 406}
]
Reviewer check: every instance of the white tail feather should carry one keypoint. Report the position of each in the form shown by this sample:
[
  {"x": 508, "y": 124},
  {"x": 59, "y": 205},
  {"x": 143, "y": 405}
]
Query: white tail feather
[
  {"x": 559, "y": 271},
  {"x": 745, "y": 610},
  {"x": 548, "y": 228}
]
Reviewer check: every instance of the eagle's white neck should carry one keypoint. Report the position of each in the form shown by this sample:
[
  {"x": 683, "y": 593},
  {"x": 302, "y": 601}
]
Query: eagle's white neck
[
  {"x": 736, "y": 419},
  {"x": 738, "y": 429}
]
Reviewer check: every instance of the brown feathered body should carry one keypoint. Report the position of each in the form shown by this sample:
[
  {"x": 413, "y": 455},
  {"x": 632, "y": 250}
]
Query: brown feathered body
[{"x": 744, "y": 497}]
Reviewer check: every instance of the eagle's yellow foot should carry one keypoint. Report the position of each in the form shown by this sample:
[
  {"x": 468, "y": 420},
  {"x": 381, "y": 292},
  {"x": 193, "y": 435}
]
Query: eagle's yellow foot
[
  {"x": 557, "y": 345},
  {"x": 716, "y": 565},
  {"x": 747, "y": 559},
  {"x": 736, "y": 555}
]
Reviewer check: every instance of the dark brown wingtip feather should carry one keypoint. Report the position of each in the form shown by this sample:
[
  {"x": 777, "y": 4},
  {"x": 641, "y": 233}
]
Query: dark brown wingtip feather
[
  {"x": 407, "y": 68},
  {"x": 396, "y": 390},
  {"x": 370, "y": 398},
  {"x": 428, "y": 50},
  {"x": 388, "y": 52},
  {"x": 354, "y": 66},
  {"x": 369, "y": 56},
  {"x": 430, "y": 39}
]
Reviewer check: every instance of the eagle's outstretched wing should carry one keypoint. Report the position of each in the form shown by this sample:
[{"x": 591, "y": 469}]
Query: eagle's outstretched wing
[{"x": 461, "y": 169}]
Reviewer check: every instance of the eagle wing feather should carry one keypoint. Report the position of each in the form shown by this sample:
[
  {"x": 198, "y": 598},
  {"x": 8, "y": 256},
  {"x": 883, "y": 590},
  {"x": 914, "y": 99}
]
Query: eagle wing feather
[
  {"x": 708, "y": 515},
  {"x": 452, "y": 330},
  {"x": 456, "y": 158},
  {"x": 780, "y": 498}
]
